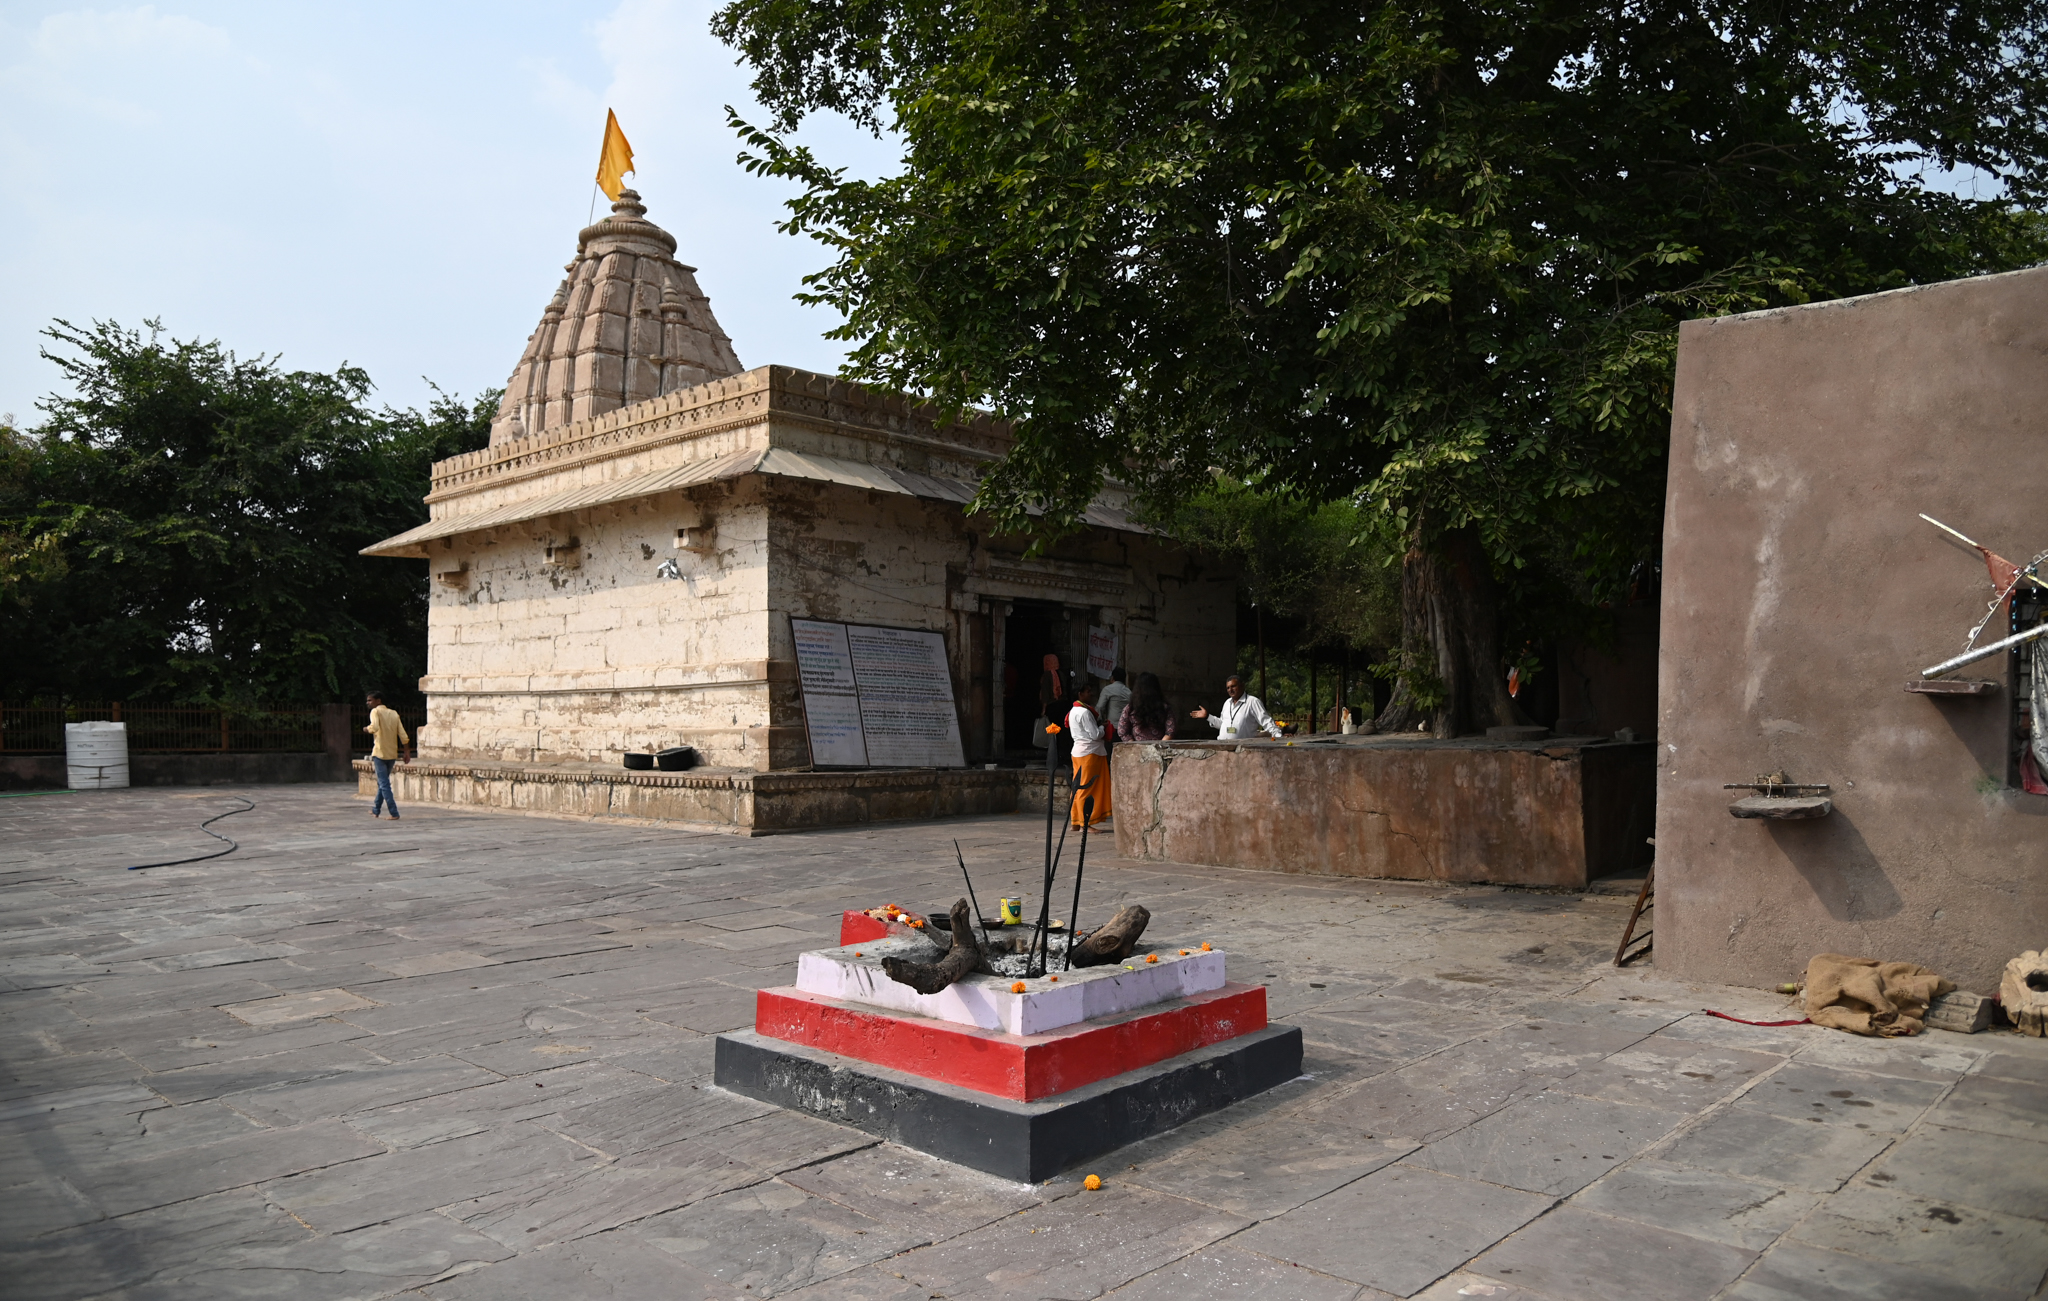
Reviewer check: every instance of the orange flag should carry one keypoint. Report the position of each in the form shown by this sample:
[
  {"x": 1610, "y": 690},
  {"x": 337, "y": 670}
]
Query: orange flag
[{"x": 615, "y": 159}]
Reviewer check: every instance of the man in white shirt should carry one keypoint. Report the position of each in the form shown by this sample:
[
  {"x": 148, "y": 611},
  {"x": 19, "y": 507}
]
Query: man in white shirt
[
  {"x": 1092, "y": 802},
  {"x": 1242, "y": 716}
]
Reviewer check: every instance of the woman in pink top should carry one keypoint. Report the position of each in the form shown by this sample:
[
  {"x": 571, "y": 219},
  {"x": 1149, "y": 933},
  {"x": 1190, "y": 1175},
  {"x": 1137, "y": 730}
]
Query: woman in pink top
[{"x": 1148, "y": 717}]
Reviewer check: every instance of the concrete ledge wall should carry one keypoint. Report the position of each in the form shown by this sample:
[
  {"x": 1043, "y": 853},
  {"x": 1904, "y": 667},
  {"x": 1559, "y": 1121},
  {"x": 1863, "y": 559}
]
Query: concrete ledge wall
[
  {"x": 744, "y": 802},
  {"x": 46, "y": 771},
  {"x": 1801, "y": 593},
  {"x": 1549, "y": 815}
]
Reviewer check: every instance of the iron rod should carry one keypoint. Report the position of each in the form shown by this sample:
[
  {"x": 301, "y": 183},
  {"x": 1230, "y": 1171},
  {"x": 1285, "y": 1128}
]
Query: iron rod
[
  {"x": 1080, "y": 866},
  {"x": 1052, "y": 785},
  {"x": 1984, "y": 652},
  {"x": 972, "y": 902},
  {"x": 1038, "y": 960}
]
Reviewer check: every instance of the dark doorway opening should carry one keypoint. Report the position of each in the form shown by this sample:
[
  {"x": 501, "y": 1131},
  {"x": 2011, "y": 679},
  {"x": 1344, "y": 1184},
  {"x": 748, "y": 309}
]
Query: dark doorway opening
[{"x": 1032, "y": 631}]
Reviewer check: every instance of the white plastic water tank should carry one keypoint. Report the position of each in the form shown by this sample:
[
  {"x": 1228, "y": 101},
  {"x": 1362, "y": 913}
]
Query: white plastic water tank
[{"x": 95, "y": 756}]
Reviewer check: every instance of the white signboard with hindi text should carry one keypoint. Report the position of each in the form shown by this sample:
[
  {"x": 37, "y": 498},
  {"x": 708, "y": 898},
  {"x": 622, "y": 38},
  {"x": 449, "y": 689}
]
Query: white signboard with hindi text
[
  {"x": 880, "y": 697},
  {"x": 1101, "y": 652},
  {"x": 831, "y": 701}
]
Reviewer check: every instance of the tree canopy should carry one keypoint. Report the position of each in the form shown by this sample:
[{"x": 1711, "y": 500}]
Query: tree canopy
[
  {"x": 184, "y": 526},
  {"x": 1430, "y": 257},
  {"x": 1316, "y": 562}
]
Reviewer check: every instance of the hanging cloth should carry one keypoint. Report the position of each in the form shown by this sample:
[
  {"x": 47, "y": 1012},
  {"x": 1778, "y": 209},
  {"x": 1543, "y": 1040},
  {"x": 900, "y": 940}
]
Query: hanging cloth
[{"x": 2034, "y": 759}]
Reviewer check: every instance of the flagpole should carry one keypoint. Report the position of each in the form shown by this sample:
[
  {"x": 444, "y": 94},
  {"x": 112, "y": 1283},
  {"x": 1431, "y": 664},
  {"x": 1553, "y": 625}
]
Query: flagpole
[{"x": 593, "y": 204}]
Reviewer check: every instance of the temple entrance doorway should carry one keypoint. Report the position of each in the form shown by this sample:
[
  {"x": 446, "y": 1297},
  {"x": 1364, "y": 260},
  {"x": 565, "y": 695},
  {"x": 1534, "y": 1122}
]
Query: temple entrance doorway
[{"x": 1033, "y": 630}]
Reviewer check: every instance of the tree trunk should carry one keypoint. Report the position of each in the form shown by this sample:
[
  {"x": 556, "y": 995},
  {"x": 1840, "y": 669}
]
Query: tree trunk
[
  {"x": 1259, "y": 613},
  {"x": 1452, "y": 681}
]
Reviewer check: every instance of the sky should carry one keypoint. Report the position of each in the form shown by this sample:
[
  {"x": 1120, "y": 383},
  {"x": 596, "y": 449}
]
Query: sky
[{"x": 394, "y": 186}]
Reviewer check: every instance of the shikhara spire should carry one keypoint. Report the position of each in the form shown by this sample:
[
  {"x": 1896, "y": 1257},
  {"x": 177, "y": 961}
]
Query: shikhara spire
[{"x": 627, "y": 323}]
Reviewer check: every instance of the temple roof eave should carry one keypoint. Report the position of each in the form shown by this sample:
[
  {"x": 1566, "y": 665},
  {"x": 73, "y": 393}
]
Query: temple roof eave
[{"x": 776, "y": 461}]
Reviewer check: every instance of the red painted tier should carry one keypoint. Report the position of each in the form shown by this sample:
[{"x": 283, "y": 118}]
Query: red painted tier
[
  {"x": 1022, "y": 1067},
  {"x": 859, "y": 928}
]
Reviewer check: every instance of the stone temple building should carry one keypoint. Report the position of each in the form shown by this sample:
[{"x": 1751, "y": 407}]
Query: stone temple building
[{"x": 619, "y": 571}]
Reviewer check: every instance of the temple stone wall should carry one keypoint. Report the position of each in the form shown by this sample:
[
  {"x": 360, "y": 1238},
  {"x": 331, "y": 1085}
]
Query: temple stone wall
[
  {"x": 529, "y": 663},
  {"x": 905, "y": 562},
  {"x": 1802, "y": 593}
]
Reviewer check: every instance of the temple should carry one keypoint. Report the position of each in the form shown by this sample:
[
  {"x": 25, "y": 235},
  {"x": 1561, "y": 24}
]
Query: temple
[{"x": 619, "y": 569}]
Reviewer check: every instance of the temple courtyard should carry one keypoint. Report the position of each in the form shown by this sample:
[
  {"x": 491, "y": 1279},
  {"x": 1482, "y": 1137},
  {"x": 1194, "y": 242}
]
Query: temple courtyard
[{"x": 468, "y": 1055}]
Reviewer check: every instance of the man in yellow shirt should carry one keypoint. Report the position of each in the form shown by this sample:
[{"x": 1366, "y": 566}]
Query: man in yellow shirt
[{"x": 387, "y": 746}]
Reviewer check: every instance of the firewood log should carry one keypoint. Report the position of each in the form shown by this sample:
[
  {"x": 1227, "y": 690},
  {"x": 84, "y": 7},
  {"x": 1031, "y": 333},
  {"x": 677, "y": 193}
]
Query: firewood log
[
  {"x": 1113, "y": 942},
  {"x": 961, "y": 959}
]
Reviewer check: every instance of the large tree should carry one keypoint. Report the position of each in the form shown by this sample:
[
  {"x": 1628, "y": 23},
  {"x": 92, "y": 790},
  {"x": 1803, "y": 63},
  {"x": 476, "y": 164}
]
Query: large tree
[
  {"x": 183, "y": 526},
  {"x": 1430, "y": 256}
]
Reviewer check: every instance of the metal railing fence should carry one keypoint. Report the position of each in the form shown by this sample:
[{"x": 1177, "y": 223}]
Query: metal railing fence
[{"x": 166, "y": 729}]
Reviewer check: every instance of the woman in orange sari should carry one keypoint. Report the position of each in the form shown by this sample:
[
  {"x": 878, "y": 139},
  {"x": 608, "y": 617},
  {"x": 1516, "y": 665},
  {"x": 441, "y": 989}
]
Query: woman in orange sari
[{"x": 1091, "y": 760}]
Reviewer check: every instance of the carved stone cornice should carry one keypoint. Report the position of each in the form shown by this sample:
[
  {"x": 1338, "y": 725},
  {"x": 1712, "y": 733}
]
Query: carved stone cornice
[
  {"x": 782, "y": 395},
  {"x": 1076, "y": 582}
]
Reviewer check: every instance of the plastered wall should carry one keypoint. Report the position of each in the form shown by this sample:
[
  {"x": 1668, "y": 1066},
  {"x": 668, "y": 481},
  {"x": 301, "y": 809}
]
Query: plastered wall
[
  {"x": 1801, "y": 593},
  {"x": 530, "y": 663}
]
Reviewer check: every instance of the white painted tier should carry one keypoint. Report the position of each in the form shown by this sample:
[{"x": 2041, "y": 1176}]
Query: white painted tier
[{"x": 854, "y": 973}]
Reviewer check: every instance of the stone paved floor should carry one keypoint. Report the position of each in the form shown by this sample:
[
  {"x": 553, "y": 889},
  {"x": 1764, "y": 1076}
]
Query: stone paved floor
[{"x": 467, "y": 1056}]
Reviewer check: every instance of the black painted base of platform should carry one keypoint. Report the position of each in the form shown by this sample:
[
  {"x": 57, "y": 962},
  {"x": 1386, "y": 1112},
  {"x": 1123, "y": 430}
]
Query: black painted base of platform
[{"x": 1026, "y": 1141}]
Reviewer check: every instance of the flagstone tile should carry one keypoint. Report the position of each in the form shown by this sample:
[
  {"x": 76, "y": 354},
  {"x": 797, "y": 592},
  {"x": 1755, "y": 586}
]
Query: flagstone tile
[
  {"x": 1993, "y": 1105},
  {"x": 1699, "y": 1203},
  {"x": 2000, "y": 1255},
  {"x": 1793, "y": 1271},
  {"x": 188, "y": 1172},
  {"x": 304, "y": 1006},
  {"x": 375, "y": 1086},
  {"x": 1794, "y": 1154},
  {"x": 1260, "y": 1168},
  {"x": 1081, "y": 1245},
  {"x": 606, "y": 1267},
  {"x": 1422, "y": 1224},
  {"x": 1990, "y": 1172},
  {"x": 910, "y": 1189},
  {"x": 1216, "y": 1273},
  {"x": 772, "y": 1237},
  {"x": 195, "y": 1083},
  {"x": 1586, "y": 1257},
  {"x": 1553, "y": 1143},
  {"x": 1669, "y": 1073},
  {"x": 1803, "y": 1091}
]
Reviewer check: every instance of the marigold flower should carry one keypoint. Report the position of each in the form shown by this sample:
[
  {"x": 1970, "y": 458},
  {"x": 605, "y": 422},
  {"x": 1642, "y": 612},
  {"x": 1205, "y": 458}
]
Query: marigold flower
[
  {"x": 1092, "y": 1183},
  {"x": 1017, "y": 988}
]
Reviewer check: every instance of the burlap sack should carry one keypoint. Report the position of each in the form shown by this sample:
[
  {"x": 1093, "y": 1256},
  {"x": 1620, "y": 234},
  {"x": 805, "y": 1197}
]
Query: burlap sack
[{"x": 1865, "y": 996}]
